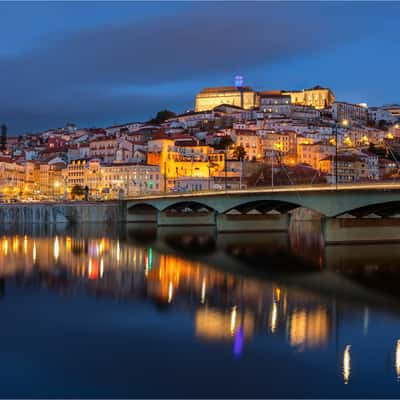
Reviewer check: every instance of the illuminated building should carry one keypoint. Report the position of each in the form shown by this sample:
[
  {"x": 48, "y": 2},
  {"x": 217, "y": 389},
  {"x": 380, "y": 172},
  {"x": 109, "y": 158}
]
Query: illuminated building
[
  {"x": 113, "y": 180},
  {"x": 76, "y": 173},
  {"x": 351, "y": 167},
  {"x": 51, "y": 181},
  {"x": 317, "y": 97},
  {"x": 251, "y": 143},
  {"x": 12, "y": 177},
  {"x": 182, "y": 162},
  {"x": 275, "y": 103},
  {"x": 350, "y": 112},
  {"x": 209, "y": 98},
  {"x": 312, "y": 153}
]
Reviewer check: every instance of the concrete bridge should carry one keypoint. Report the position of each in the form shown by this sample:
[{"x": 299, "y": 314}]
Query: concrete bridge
[{"x": 353, "y": 212}]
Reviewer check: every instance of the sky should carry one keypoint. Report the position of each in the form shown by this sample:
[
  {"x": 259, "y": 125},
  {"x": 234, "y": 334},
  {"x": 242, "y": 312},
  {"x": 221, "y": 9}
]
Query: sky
[{"x": 104, "y": 63}]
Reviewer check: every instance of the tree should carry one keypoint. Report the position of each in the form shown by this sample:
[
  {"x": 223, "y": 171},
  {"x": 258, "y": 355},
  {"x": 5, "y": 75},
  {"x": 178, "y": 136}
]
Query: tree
[
  {"x": 224, "y": 142},
  {"x": 162, "y": 116},
  {"x": 3, "y": 139},
  {"x": 77, "y": 191},
  {"x": 239, "y": 153}
]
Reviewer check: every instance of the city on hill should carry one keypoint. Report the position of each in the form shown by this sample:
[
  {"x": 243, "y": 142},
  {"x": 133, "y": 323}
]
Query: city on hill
[{"x": 235, "y": 138}]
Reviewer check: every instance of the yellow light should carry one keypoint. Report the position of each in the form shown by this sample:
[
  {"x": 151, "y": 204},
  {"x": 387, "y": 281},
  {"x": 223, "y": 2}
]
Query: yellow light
[
  {"x": 346, "y": 364},
  {"x": 34, "y": 252},
  {"x": 118, "y": 251},
  {"x": 203, "y": 291},
  {"x": 273, "y": 319},
  {"x": 233, "y": 319},
  {"x": 25, "y": 244},
  {"x": 5, "y": 246},
  {"x": 56, "y": 248},
  {"x": 390, "y": 136},
  {"x": 101, "y": 267},
  {"x": 170, "y": 292},
  {"x": 345, "y": 122},
  {"x": 277, "y": 294},
  {"x": 57, "y": 184}
]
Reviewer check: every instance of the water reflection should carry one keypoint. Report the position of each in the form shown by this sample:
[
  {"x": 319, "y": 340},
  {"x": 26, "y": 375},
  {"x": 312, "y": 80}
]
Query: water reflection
[
  {"x": 237, "y": 288},
  {"x": 346, "y": 364}
]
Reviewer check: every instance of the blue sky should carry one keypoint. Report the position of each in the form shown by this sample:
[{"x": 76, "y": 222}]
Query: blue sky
[{"x": 110, "y": 62}]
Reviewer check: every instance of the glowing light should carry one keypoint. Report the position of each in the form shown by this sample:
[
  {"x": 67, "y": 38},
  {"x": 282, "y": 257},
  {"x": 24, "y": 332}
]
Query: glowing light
[
  {"x": 277, "y": 294},
  {"x": 390, "y": 136},
  {"x": 118, "y": 251},
  {"x": 34, "y": 252},
  {"x": 5, "y": 247},
  {"x": 238, "y": 342},
  {"x": 397, "y": 360},
  {"x": 15, "y": 244},
  {"x": 25, "y": 244},
  {"x": 345, "y": 122},
  {"x": 233, "y": 319},
  {"x": 203, "y": 291},
  {"x": 273, "y": 319},
  {"x": 170, "y": 292},
  {"x": 346, "y": 364},
  {"x": 101, "y": 267},
  {"x": 56, "y": 248},
  {"x": 239, "y": 80}
]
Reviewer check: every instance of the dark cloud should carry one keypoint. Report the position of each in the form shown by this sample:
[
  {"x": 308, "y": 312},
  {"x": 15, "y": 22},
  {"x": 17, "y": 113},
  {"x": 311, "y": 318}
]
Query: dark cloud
[{"x": 73, "y": 77}]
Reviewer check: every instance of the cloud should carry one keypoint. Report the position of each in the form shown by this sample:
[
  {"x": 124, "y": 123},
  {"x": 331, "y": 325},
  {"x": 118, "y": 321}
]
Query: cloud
[{"x": 73, "y": 76}]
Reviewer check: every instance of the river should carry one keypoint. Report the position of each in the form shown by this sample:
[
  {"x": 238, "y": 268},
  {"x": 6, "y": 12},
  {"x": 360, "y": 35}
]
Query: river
[{"x": 135, "y": 311}]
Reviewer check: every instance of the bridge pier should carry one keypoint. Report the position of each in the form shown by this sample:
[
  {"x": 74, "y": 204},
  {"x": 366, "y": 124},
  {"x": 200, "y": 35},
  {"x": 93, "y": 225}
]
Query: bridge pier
[
  {"x": 252, "y": 223},
  {"x": 360, "y": 230}
]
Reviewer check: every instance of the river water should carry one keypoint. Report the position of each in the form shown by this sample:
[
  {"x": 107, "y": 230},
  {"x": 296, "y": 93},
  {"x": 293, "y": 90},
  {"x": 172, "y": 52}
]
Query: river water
[{"x": 135, "y": 311}]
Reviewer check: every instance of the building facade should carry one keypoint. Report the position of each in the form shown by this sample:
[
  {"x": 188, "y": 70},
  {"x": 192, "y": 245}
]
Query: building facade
[{"x": 209, "y": 98}]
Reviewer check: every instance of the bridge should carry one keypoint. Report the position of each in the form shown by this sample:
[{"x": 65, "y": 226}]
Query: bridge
[{"x": 347, "y": 210}]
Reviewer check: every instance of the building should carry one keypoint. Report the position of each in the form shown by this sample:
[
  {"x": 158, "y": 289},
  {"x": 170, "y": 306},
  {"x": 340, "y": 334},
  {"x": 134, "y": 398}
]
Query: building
[
  {"x": 317, "y": 97},
  {"x": 393, "y": 109},
  {"x": 129, "y": 179},
  {"x": 12, "y": 177},
  {"x": 379, "y": 115},
  {"x": 251, "y": 143},
  {"x": 353, "y": 167},
  {"x": 312, "y": 153},
  {"x": 115, "y": 180},
  {"x": 275, "y": 103},
  {"x": 342, "y": 111},
  {"x": 183, "y": 161},
  {"x": 51, "y": 177},
  {"x": 209, "y": 98}
]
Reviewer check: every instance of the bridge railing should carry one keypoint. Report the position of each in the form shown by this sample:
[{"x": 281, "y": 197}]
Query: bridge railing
[{"x": 268, "y": 189}]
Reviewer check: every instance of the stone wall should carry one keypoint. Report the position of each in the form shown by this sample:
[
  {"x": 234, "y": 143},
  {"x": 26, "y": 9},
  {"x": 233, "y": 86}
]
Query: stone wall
[{"x": 49, "y": 213}]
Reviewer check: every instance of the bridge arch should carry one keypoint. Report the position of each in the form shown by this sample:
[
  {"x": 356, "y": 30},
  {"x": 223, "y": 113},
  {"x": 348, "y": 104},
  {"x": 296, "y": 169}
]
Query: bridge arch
[
  {"x": 388, "y": 209},
  {"x": 142, "y": 208},
  {"x": 188, "y": 206},
  {"x": 263, "y": 206}
]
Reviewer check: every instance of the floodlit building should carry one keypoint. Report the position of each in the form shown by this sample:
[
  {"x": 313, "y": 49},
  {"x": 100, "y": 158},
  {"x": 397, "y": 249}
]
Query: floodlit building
[{"x": 244, "y": 97}]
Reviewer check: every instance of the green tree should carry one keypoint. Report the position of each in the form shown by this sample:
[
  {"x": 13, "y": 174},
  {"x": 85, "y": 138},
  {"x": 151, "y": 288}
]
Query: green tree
[
  {"x": 3, "y": 139},
  {"x": 162, "y": 116},
  {"x": 239, "y": 153},
  {"x": 77, "y": 191}
]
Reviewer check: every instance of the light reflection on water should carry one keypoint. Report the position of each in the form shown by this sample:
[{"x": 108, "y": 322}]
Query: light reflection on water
[{"x": 261, "y": 294}]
